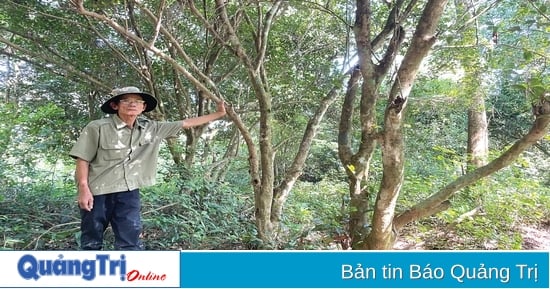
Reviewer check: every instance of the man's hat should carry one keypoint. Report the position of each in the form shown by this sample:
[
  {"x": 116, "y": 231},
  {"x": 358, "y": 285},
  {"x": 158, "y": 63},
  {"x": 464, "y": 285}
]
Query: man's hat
[{"x": 118, "y": 92}]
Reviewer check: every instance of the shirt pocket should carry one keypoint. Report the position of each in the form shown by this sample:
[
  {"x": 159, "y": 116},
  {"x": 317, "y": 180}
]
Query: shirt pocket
[
  {"x": 113, "y": 149},
  {"x": 144, "y": 142}
]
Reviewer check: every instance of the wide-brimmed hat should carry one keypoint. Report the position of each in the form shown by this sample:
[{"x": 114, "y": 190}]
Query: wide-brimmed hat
[{"x": 115, "y": 95}]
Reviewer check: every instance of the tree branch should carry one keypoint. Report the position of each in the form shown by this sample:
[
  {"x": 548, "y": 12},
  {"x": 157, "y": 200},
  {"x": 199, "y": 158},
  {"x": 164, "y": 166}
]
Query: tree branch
[
  {"x": 123, "y": 31},
  {"x": 426, "y": 207}
]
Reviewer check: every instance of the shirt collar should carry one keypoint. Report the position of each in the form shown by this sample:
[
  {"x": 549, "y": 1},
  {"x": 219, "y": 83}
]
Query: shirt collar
[{"x": 119, "y": 124}]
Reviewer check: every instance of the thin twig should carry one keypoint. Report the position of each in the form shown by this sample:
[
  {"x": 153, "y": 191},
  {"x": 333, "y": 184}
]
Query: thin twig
[{"x": 48, "y": 231}]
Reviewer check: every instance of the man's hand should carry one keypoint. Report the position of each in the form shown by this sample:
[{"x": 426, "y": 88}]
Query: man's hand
[
  {"x": 85, "y": 198},
  {"x": 203, "y": 119},
  {"x": 220, "y": 107}
]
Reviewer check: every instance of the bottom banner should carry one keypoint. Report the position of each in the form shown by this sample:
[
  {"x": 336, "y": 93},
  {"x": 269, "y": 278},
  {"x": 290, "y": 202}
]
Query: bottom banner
[{"x": 274, "y": 269}]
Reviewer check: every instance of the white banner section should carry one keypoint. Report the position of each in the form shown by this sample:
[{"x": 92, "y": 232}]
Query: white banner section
[{"x": 110, "y": 269}]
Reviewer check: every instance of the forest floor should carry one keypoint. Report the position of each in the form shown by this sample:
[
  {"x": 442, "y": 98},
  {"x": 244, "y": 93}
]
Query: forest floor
[
  {"x": 533, "y": 238},
  {"x": 536, "y": 238}
]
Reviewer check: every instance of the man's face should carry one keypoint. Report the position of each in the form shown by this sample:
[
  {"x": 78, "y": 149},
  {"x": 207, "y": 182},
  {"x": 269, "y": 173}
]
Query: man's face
[{"x": 129, "y": 105}]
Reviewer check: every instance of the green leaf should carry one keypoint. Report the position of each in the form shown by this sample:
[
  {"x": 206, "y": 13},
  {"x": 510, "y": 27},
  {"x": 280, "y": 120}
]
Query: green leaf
[
  {"x": 527, "y": 55},
  {"x": 520, "y": 87}
]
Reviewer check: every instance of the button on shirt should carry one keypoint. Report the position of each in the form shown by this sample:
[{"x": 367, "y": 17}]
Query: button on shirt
[{"x": 122, "y": 158}]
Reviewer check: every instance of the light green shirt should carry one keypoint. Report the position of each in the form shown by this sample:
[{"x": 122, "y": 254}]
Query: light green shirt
[{"x": 120, "y": 158}]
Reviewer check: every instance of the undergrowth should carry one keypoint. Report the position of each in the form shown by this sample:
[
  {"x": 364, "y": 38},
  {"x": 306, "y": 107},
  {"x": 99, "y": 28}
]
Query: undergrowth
[
  {"x": 487, "y": 216},
  {"x": 196, "y": 213}
]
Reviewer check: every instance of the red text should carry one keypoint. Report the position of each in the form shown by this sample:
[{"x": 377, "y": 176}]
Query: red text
[{"x": 135, "y": 275}]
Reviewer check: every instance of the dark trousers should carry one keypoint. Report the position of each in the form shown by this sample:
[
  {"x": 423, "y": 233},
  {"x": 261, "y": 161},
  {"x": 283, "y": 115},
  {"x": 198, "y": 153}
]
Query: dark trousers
[{"x": 122, "y": 211}]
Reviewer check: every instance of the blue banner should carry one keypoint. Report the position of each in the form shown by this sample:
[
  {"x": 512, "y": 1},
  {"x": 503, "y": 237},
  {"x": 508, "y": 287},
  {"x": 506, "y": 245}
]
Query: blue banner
[{"x": 364, "y": 269}]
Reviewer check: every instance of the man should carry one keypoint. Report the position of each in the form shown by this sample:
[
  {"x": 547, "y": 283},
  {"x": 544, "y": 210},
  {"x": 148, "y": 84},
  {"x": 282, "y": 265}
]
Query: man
[{"x": 115, "y": 156}]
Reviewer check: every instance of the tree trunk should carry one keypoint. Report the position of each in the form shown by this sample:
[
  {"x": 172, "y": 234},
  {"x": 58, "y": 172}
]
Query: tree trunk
[
  {"x": 357, "y": 165},
  {"x": 264, "y": 195},
  {"x": 478, "y": 138},
  {"x": 474, "y": 64},
  {"x": 372, "y": 74},
  {"x": 382, "y": 234}
]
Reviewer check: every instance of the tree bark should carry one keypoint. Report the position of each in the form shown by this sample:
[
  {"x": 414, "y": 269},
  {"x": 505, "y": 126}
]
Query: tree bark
[
  {"x": 475, "y": 68},
  {"x": 263, "y": 177},
  {"x": 357, "y": 164},
  {"x": 383, "y": 235},
  {"x": 478, "y": 137}
]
